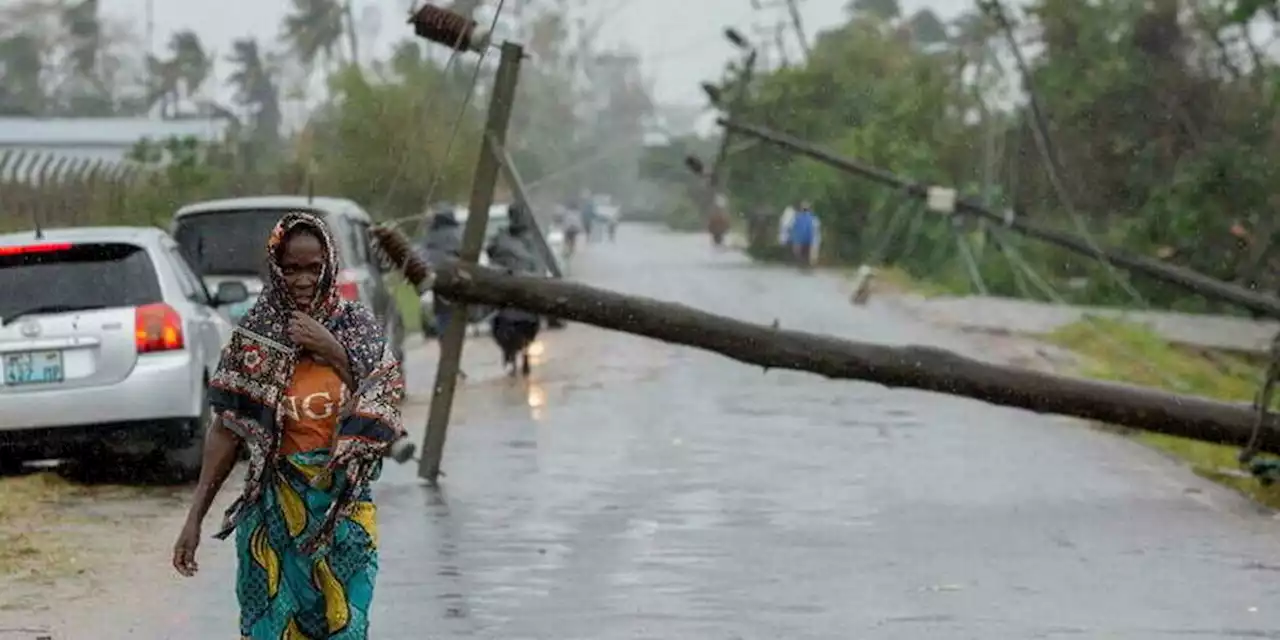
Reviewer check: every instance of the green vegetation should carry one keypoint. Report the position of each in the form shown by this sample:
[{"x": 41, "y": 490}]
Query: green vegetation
[
  {"x": 1134, "y": 354},
  {"x": 1153, "y": 107},
  {"x": 410, "y": 308}
]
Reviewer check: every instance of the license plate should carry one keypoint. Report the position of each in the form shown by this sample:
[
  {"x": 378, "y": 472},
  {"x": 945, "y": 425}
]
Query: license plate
[{"x": 34, "y": 367}]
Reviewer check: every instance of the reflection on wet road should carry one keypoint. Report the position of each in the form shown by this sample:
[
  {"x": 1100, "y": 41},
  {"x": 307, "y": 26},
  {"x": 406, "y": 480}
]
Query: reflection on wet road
[{"x": 634, "y": 489}]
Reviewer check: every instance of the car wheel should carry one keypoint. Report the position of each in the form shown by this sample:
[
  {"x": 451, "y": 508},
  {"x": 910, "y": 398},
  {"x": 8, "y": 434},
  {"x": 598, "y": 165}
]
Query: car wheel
[
  {"x": 184, "y": 461},
  {"x": 555, "y": 323}
]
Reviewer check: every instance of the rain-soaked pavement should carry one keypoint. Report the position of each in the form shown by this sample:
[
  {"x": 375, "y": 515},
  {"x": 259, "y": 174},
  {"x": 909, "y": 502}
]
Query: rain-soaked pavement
[{"x": 635, "y": 489}]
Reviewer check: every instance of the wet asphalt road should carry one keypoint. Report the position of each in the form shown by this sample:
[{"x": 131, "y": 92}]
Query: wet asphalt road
[{"x": 634, "y": 489}]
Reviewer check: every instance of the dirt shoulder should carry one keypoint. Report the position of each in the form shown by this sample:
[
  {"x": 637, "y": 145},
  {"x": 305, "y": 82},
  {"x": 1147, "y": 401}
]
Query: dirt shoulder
[{"x": 78, "y": 555}]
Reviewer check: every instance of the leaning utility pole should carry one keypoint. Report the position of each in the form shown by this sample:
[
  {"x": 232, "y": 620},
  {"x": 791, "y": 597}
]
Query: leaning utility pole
[
  {"x": 718, "y": 175},
  {"x": 456, "y": 31},
  {"x": 797, "y": 23}
]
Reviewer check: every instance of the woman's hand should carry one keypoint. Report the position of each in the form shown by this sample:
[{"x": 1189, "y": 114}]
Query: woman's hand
[
  {"x": 184, "y": 550},
  {"x": 309, "y": 334}
]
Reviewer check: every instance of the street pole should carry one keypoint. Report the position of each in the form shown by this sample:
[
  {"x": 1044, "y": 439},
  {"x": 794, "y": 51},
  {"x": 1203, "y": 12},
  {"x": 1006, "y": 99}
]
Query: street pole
[{"x": 473, "y": 234}]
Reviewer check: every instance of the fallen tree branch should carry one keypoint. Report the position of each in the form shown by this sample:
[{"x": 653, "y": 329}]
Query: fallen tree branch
[{"x": 915, "y": 367}]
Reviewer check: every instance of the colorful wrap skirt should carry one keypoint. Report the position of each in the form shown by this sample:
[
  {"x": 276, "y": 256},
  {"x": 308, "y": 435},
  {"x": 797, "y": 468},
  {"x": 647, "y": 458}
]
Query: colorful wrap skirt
[{"x": 285, "y": 594}]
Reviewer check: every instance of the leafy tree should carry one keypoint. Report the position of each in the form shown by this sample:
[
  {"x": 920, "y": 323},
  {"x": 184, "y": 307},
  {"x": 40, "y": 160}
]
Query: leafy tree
[
  {"x": 21, "y": 70},
  {"x": 314, "y": 29},
  {"x": 1160, "y": 118},
  {"x": 258, "y": 94},
  {"x": 192, "y": 65}
]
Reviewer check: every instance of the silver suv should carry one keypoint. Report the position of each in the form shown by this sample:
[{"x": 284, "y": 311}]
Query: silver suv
[
  {"x": 226, "y": 239},
  {"x": 107, "y": 340}
]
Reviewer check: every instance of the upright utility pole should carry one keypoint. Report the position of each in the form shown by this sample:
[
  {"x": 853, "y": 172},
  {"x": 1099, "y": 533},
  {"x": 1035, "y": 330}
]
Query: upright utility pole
[{"x": 451, "y": 29}]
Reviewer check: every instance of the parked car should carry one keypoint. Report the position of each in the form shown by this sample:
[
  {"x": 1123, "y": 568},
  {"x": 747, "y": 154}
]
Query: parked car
[
  {"x": 226, "y": 240},
  {"x": 107, "y": 341}
]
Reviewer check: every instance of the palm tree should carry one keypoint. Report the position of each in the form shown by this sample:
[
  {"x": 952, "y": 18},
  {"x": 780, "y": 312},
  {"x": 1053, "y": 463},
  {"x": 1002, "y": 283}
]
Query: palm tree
[
  {"x": 191, "y": 64},
  {"x": 80, "y": 20},
  {"x": 926, "y": 29},
  {"x": 256, "y": 91},
  {"x": 163, "y": 81},
  {"x": 314, "y": 28},
  {"x": 22, "y": 90}
]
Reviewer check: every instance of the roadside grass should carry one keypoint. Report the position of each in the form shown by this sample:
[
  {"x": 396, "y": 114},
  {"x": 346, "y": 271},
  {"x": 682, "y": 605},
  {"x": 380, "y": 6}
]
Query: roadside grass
[
  {"x": 898, "y": 280},
  {"x": 48, "y": 524},
  {"x": 30, "y": 543},
  {"x": 1132, "y": 353}
]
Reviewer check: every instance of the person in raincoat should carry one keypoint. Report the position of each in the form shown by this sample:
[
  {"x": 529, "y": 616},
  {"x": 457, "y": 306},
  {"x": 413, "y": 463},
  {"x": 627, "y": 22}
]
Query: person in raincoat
[
  {"x": 718, "y": 222},
  {"x": 514, "y": 250},
  {"x": 443, "y": 243}
]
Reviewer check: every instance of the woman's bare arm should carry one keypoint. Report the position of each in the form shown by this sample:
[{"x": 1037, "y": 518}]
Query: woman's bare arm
[{"x": 221, "y": 446}]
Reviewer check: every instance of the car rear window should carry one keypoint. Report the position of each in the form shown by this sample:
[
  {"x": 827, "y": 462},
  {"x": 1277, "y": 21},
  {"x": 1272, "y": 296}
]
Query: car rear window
[
  {"x": 229, "y": 242},
  {"x": 75, "y": 276}
]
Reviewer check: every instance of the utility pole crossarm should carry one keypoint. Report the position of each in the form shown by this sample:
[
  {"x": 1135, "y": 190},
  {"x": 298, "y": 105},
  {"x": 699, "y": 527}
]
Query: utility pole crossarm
[{"x": 1187, "y": 279}]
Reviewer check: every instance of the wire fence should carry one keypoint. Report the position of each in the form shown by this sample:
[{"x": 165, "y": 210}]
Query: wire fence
[
  {"x": 59, "y": 190},
  {"x": 53, "y": 190}
]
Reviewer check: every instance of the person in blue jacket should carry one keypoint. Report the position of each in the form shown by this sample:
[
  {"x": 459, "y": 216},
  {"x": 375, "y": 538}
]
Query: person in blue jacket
[{"x": 803, "y": 235}]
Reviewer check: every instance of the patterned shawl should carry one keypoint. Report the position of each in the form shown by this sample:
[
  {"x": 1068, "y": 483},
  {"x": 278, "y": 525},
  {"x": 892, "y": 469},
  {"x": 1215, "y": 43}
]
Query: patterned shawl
[{"x": 256, "y": 369}]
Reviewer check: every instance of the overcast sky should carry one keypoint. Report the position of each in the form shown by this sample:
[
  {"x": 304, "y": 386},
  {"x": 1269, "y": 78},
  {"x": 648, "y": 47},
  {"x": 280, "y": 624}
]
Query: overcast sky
[{"x": 679, "y": 40}]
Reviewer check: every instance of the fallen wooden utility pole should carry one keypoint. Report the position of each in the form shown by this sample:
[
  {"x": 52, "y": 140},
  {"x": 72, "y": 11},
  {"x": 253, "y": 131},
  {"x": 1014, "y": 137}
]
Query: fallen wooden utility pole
[
  {"x": 916, "y": 367},
  {"x": 1187, "y": 279}
]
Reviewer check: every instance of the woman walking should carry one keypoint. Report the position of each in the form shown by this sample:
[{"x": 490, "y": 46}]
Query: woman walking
[{"x": 308, "y": 385}]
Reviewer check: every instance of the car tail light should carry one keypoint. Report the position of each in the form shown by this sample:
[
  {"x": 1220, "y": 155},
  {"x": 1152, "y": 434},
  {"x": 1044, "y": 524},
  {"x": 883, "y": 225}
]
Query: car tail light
[
  {"x": 157, "y": 327},
  {"x": 34, "y": 248},
  {"x": 348, "y": 288}
]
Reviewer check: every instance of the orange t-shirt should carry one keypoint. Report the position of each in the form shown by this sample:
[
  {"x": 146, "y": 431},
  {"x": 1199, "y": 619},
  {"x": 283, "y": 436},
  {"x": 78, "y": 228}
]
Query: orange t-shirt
[{"x": 311, "y": 406}]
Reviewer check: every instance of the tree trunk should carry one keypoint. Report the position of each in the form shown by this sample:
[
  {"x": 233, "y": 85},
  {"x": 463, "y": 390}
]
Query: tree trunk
[{"x": 916, "y": 367}]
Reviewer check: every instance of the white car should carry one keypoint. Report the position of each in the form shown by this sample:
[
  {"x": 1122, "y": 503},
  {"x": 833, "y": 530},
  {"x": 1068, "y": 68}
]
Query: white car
[{"x": 107, "y": 342}]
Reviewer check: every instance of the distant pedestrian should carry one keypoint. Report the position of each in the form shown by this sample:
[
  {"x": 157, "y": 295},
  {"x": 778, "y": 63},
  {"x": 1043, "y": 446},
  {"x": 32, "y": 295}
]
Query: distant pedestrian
[
  {"x": 803, "y": 235},
  {"x": 589, "y": 217},
  {"x": 784, "y": 224},
  {"x": 512, "y": 328},
  {"x": 718, "y": 221},
  {"x": 443, "y": 244}
]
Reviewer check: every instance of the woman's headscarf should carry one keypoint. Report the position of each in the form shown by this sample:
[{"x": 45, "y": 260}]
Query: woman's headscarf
[{"x": 257, "y": 366}]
